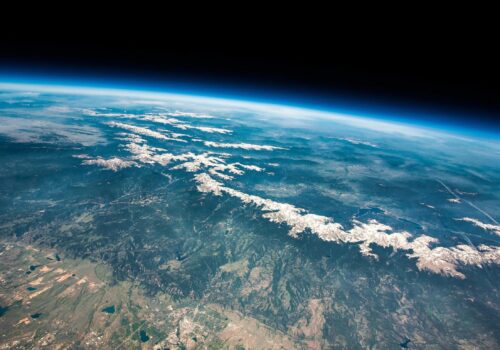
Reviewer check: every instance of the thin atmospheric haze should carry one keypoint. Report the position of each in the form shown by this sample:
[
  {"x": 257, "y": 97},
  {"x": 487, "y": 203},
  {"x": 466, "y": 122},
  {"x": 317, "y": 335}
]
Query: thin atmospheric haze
[{"x": 179, "y": 211}]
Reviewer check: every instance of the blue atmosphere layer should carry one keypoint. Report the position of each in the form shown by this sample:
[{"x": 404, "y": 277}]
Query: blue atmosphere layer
[{"x": 458, "y": 122}]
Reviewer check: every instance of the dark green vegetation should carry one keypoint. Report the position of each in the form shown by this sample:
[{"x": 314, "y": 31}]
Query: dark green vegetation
[
  {"x": 144, "y": 337},
  {"x": 139, "y": 257}
]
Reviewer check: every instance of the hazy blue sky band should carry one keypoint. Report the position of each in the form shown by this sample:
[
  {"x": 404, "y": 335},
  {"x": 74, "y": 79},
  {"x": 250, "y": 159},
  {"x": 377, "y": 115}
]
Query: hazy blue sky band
[{"x": 459, "y": 122}]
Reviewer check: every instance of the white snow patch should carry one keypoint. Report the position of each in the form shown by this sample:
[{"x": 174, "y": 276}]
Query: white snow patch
[
  {"x": 125, "y": 136},
  {"x": 114, "y": 163},
  {"x": 440, "y": 260},
  {"x": 191, "y": 115},
  {"x": 359, "y": 142},
  {"x": 247, "y": 146},
  {"x": 149, "y": 155},
  {"x": 176, "y": 123},
  {"x": 142, "y": 131},
  {"x": 488, "y": 227}
]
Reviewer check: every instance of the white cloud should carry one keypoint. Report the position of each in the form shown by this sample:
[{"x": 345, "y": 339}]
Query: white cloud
[
  {"x": 93, "y": 113},
  {"x": 28, "y": 130},
  {"x": 57, "y": 109}
]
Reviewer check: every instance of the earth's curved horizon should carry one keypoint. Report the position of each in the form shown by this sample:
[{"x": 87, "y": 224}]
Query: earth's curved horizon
[{"x": 154, "y": 220}]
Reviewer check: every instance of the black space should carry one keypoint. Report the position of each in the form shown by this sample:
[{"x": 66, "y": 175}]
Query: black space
[{"x": 456, "y": 78}]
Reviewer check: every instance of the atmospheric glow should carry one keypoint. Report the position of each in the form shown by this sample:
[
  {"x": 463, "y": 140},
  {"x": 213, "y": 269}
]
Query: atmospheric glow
[{"x": 276, "y": 110}]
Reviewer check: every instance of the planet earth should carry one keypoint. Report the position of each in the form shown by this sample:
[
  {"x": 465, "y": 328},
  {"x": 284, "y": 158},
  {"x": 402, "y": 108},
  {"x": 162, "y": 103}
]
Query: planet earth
[{"x": 147, "y": 220}]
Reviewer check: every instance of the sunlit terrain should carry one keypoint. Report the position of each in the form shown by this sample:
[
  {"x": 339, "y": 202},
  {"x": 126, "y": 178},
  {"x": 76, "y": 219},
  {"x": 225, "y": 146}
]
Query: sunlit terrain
[{"x": 155, "y": 221}]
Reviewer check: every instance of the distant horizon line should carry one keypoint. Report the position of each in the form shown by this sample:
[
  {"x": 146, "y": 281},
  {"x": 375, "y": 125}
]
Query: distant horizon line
[{"x": 94, "y": 88}]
